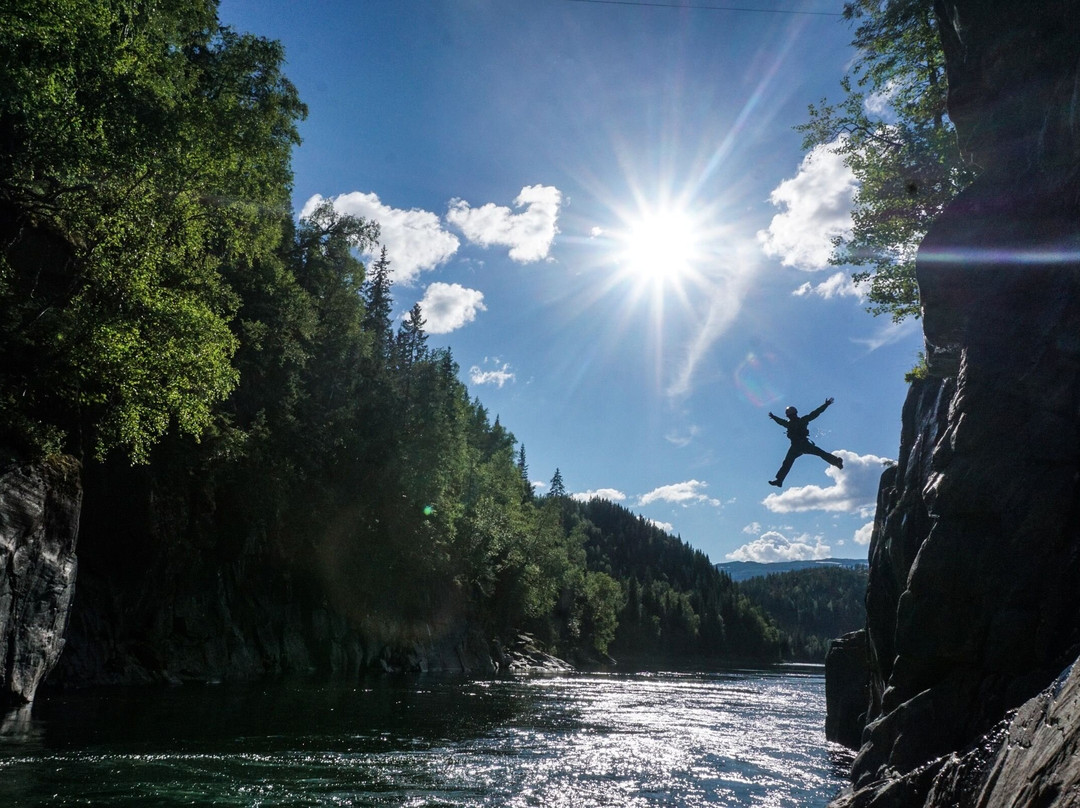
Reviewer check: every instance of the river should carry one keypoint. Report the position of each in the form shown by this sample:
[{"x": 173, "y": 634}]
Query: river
[{"x": 730, "y": 738}]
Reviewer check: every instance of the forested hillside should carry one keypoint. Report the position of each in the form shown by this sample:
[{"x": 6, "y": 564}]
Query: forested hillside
[
  {"x": 263, "y": 444},
  {"x": 811, "y": 607},
  {"x": 678, "y": 605}
]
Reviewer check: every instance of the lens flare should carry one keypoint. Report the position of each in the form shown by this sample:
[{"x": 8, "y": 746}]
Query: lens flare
[{"x": 755, "y": 379}]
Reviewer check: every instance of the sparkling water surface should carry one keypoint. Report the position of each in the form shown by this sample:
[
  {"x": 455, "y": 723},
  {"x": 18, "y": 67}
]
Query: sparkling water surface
[{"x": 730, "y": 738}]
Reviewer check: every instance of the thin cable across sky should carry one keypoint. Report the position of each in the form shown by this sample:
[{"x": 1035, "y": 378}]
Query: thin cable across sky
[{"x": 709, "y": 8}]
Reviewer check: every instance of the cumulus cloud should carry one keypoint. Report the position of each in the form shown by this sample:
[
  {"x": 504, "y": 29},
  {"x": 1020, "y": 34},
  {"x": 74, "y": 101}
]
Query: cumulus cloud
[
  {"x": 612, "y": 494},
  {"x": 680, "y": 493},
  {"x": 854, "y": 488},
  {"x": 772, "y": 546},
  {"x": 499, "y": 375},
  {"x": 754, "y": 528},
  {"x": 448, "y": 306},
  {"x": 816, "y": 208},
  {"x": 839, "y": 284},
  {"x": 415, "y": 240},
  {"x": 862, "y": 535},
  {"x": 667, "y": 527},
  {"x": 528, "y": 233}
]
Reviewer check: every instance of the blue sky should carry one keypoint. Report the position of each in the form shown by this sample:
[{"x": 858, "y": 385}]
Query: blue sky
[{"x": 605, "y": 213}]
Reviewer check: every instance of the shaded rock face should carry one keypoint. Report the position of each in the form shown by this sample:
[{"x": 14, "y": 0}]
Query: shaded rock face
[
  {"x": 974, "y": 592},
  {"x": 1030, "y": 760},
  {"x": 846, "y": 689},
  {"x": 39, "y": 525}
]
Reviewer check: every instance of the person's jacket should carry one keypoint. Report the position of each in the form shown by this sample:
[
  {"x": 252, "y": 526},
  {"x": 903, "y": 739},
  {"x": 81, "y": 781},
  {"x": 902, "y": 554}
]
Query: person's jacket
[{"x": 796, "y": 427}]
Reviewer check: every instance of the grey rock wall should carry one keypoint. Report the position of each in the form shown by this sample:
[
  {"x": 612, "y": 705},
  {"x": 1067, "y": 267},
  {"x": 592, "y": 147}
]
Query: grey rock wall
[
  {"x": 39, "y": 525},
  {"x": 974, "y": 591}
]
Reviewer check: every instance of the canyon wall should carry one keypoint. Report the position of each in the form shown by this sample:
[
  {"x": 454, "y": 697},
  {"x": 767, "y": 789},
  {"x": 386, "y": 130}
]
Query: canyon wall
[{"x": 974, "y": 592}]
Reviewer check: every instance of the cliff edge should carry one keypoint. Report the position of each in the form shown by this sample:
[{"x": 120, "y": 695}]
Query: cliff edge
[{"x": 974, "y": 592}]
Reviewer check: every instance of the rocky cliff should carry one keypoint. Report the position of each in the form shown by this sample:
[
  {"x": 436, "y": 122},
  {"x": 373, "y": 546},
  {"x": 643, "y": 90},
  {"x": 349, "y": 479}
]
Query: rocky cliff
[
  {"x": 974, "y": 592},
  {"x": 39, "y": 524}
]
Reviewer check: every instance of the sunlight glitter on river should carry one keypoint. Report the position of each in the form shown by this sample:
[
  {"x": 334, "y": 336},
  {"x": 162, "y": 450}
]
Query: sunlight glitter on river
[{"x": 734, "y": 738}]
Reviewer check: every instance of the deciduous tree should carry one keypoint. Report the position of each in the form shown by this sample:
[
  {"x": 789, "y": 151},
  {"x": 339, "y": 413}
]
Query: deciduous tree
[{"x": 894, "y": 133}]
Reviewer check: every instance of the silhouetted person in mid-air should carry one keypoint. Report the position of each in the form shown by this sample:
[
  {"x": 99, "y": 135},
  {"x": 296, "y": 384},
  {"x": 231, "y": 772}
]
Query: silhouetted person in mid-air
[{"x": 799, "y": 434}]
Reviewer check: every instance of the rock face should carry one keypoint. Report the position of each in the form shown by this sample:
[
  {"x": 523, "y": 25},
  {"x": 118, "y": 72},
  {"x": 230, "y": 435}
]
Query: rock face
[
  {"x": 846, "y": 689},
  {"x": 39, "y": 525},
  {"x": 974, "y": 592}
]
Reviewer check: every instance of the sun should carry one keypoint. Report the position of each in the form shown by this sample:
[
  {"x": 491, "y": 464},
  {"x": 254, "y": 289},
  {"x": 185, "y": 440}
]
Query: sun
[{"x": 659, "y": 247}]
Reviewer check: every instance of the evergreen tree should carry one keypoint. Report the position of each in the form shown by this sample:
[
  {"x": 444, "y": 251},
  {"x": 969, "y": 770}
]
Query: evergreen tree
[
  {"x": 557, "y": 489},
  {"x": 523, "y": 470},
  {"x": 378, "y": 304},
  {"x": 411, "y": 342}
]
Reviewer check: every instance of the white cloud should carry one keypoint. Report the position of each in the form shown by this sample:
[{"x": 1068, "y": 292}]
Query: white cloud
[
  {"x": 679, "y": 493},
  {"x": 754, "y": 528},
  {"x": 667, "y": 527},
  {"x": 839, "y": 284},
  {"x": 889, "y": 332},
  {"x": 816, "y": 208},
  {"x": 682, "y": 439},
  {"x": 596, "y": 232},
  {"x": 879, "y": 103},
  {"x": 612, "y": 494},
  {"x": 540, "y": 485},
  {"x": 772, "y": 546},
  {"x": 415, "y": 240},
  {"x": 500, "y": 375},
  {"x": 528, "y": 234},
  {"x": 854, "y": 488},
  {"x": 449, "y": 306},
  {"x": 862, "y": 535}
]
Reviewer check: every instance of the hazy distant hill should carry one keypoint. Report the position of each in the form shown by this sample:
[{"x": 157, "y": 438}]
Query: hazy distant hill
[{"x": 743, "y": 570}]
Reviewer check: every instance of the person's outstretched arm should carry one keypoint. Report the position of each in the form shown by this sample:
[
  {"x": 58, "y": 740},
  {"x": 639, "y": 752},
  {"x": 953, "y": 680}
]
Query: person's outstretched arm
[
  {"x": 820, "y": 409},
  {"x": 780, "y": 421}
]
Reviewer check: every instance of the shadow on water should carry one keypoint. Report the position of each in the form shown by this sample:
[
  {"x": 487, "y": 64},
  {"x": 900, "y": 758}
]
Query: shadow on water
[
  {"x": 436, "y": 707},
  {"x": 729, "y": 738}
]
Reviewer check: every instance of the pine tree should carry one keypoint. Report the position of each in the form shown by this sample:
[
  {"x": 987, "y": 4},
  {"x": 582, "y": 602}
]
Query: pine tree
[
  {"x": 523, "y": 470},
  {"x": 411, "y": 340},
  {"x": 558, "y": 489},
  {"x": 379, "y": 303}
]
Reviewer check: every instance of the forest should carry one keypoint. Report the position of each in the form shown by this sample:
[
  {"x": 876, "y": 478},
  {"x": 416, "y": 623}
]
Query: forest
[
  {"x": 811, "y": 607},
  {"x": 235, "y": 384}
]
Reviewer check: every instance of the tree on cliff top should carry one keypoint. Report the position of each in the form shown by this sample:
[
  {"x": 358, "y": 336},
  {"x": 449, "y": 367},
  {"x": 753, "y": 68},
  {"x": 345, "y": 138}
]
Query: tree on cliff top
[{"x": 893, "y": 132}]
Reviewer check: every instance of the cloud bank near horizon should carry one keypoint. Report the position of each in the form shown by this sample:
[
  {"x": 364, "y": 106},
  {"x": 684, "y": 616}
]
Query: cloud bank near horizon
[{"x": 772, "y": 546}]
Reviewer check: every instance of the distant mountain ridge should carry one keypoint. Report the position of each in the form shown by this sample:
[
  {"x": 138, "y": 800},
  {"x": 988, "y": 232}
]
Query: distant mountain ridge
[{"x": 743, "y": 570}]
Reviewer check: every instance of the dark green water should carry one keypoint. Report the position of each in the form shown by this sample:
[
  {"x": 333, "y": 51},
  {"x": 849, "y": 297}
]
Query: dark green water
[{"x": 734, "y": 738}]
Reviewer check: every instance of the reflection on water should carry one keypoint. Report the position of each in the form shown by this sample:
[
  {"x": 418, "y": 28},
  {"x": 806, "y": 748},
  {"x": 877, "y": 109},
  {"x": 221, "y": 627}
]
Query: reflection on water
[{"x": 735, "y": 738}]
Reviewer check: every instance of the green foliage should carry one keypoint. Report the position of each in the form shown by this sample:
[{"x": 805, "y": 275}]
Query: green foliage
[
  {"x": 678, "y": 605},
  {"x": 143, "y": 149},
  {"x": 811, "y": 607},
  {"x": 893, "y": 132},
  {"x": 160, "y": 306},
  {"x": 920, "y": 371}
]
